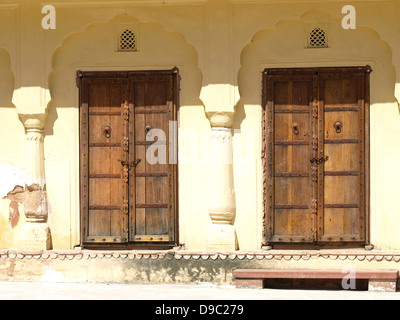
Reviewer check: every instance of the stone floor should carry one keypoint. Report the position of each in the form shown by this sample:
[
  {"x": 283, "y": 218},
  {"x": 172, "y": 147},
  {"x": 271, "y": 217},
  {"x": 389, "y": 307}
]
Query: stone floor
[{"x": 205, "y": 291}]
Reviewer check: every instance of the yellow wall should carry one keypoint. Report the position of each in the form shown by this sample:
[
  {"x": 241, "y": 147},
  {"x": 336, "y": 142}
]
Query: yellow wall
[{"x": 220, "y": 47}]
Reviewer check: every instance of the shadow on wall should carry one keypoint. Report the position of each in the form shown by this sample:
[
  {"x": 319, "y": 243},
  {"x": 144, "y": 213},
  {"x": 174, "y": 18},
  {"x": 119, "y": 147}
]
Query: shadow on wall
[
  {"x": 6, "y": 80},
  {"x": 11, "y": 129}
]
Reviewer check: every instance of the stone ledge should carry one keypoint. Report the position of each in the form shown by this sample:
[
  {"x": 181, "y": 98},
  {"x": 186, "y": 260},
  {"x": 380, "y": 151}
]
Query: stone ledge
[
  {"x": 175, "y": 266},
  {"x": 305, "y": 255}
]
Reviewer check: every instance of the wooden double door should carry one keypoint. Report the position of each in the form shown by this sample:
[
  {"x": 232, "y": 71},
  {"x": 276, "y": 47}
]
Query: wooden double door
[
  {"x": 316, "y": 129},
  {"x": 128, "y": 158}
]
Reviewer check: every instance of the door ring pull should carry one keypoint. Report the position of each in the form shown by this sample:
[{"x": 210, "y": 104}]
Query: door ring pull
[
  {"x": 107, "y": 132},
  {"x": 296, "y": 128},
  {"x": 338, "y": 126}
]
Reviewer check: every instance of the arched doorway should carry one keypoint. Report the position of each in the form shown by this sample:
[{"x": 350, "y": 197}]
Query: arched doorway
[
  {"x": 146, "y": 66},
  {"x": 285, "y": 46}
]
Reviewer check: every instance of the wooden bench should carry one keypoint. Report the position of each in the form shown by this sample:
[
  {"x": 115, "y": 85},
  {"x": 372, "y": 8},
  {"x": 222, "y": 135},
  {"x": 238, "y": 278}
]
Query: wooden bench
[{"x": 378, "y": 280}]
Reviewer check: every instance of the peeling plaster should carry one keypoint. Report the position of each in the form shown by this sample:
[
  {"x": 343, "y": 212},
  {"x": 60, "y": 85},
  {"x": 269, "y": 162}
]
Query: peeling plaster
[
  {"x": 10, "y": 177},
  {"x": 14, "y": 214},
  {"x": 11, "y": 181},
  {"x": 16, "y": 198}
]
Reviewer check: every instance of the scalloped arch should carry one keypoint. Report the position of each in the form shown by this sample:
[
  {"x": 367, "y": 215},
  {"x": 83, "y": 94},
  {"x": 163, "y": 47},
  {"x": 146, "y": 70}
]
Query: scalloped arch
[
  {"x": 283, "y": 46},
  {"x": 93, "y": 49}
]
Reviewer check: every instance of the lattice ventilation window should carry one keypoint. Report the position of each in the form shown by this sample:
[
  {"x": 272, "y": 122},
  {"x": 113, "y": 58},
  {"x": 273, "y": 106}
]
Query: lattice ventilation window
[
  {"x": 318, "y": 38},
  {"x": 127, "y": 41}
]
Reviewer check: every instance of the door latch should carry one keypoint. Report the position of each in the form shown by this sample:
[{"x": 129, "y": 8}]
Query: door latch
[
  {"x": 320, "y": 161},
  {"x": 132, "y": 164}
]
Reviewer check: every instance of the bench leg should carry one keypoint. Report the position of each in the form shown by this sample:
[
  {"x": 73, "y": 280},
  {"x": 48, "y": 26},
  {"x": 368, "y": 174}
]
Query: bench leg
[
  {"x": 382, "y": 285},
  {"x": 250, "y": 283}
]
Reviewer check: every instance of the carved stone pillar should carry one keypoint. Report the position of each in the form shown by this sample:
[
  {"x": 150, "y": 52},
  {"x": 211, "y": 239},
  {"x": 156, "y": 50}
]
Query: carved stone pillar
[
  {"x": 35, "y": 233},
  {"x": 222, "y": 203}
]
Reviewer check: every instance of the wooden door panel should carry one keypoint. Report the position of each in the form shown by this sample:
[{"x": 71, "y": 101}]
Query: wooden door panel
[
  {"x": 140, "y": 154},
  {"x": 290, "y": 159},
  {"x": 341, "y": 224},
  {"x": 97, "y": 167},
  {"x": 341, "y": 91},
  {"x": 157, "y": 94},
  {"x": 140, "y": 127},
  {"x": 292, "y": 93},
  {"x": 116, "y": 224},
  {"x": 292, "y": 127},
  {"x": 153, "y": 218},
  {"x": 99, "y": 224},
  {"x": 335, "y": 193},
  {"x": 126, "y": 195},
  {"x": 316, "y": 155},
  {"x": 116, "y": 155},
  {"x": 342, "y": 157},
  {"x": 99, "y": 192},
  {"x": 157, "y": 221},
  {"x": 293, "y": 203},
  {"x": 157, "y": 190},
  {"x": 342, "y": 96},
  {"x": 291, "y": 192},
  {"x": 140, "y": 221},
  {"x": 102, "y": 125},
  {"x": 348, "y": 122},
  {"x": 98, "y": 96},
  {"x": 292, "y": 225},
  {"x": 157, "y": 153}
]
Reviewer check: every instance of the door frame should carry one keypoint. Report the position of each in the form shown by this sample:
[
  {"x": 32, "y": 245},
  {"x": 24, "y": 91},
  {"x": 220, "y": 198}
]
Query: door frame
[
  {"x": 84, "y": 148},
  {"x": 266, "y": 152}
]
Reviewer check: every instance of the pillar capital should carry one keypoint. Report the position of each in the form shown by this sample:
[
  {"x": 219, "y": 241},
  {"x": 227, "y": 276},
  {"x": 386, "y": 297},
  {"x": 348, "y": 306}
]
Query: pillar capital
[
  {"x": 219, "y": 102},
  {"x": 33, "y": 121},
  {"x": 221, "y": 119},
  {"x": 31, "y": 100}
]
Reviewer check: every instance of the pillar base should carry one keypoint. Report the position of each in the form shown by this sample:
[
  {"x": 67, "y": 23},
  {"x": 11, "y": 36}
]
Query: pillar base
[
  {"x": 222, "y": 237},
  {"x": 35, "y": 236}
]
